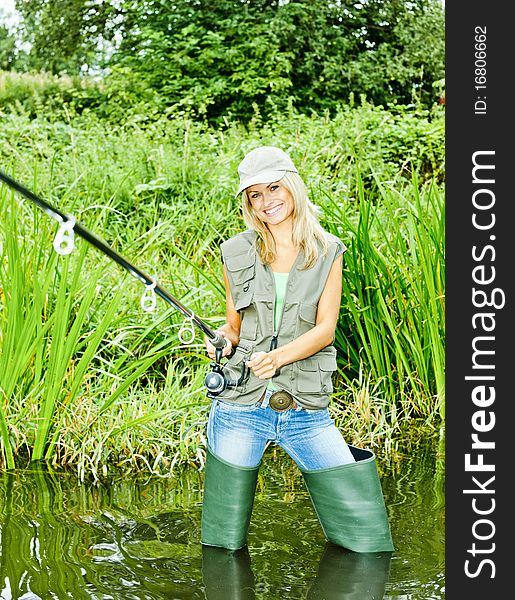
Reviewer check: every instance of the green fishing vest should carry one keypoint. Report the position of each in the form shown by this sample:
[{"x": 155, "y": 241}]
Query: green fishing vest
[{"x": 253, "y": 292}]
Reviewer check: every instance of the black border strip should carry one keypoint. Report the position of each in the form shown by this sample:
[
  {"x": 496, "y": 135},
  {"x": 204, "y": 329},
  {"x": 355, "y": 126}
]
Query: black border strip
[{"x": 479, "y": 317}]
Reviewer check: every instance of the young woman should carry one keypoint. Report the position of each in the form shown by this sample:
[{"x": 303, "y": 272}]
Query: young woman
[{"x": 283, "y": 287}]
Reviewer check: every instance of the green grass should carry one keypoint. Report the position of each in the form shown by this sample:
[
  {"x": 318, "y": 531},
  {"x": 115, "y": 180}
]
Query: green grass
[
  {"x": 392, "y": 317},
  {"x": 90, "y": 382}
]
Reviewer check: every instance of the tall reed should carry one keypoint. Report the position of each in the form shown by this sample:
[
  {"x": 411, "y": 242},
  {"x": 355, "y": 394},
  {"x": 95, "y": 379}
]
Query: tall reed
[
  {"x": 89, "y": 381},
  {"x": 392, "y": 318},
  {"x": 55, "y": 324}
]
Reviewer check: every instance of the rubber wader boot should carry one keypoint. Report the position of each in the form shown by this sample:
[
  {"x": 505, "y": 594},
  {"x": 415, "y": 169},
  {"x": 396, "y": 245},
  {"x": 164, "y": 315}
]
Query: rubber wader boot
[
  {"x": 227, "y": 506},
  {"x": 349, "y": 503}
]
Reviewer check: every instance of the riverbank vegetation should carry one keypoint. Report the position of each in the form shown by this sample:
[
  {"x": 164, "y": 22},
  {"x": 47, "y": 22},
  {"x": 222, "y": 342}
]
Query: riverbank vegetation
[{"x": 90, "y": 382}]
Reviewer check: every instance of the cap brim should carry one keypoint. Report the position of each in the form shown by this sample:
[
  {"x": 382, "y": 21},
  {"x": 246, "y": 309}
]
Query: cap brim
[{"x": 264, "y": 177}]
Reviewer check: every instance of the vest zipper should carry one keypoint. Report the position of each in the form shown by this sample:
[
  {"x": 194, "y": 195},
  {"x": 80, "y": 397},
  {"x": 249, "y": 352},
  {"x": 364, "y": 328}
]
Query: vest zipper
[
  {"x": 273, "y": 341},
  {"x": 275, "y": 335}
]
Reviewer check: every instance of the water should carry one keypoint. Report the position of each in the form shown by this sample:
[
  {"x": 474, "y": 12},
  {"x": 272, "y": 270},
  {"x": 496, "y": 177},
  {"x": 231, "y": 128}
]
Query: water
[{"x": 138, "y": 538}]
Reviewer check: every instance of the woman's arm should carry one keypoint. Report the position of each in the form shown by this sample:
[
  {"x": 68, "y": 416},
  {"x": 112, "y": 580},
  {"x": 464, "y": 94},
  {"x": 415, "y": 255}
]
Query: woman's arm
[
  {"x": 231, "y": 329},
  {"x": 265, "y": 364}
]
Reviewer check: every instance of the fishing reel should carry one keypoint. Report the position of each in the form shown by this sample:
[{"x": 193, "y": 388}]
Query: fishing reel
[{"x": 216, "y": 381}]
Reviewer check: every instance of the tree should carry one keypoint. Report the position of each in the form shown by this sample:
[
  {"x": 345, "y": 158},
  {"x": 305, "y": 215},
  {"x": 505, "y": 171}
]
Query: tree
[
  {"x": 66, "y": 36},
  {"x": 237, "y": 57},
  {"x": 8, "y": 52}
]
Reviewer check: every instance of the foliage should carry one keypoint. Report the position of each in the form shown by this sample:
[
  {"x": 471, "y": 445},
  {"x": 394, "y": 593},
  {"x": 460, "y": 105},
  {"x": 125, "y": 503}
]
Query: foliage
[
  {"x": 239, "y": 58},
  {"x": 44, "y": 94},
  {"x": 65, "y": 35},
  {"x": 393, "y": 311},
  {"x": 122, "y": 389},
  {"x": 7, "y": 47},
  {"x": 373, "y": 140},
  {"x": 214, "y": 60}
]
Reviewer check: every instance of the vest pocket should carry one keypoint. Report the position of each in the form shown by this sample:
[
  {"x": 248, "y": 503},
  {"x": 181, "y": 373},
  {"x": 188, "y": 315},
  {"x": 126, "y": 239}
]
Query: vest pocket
[
  {"x": 327, "y": 367},
  {"x": 314, "y": 374},
  {"x": 249, "y": 322},
  {"x": 307, "y": 318},
  {"x": 308, "y": 376},
  {"x": 241, "y": 273},
  {"x": 240, "y": 267},
  {"x": 233, "y": 368}
]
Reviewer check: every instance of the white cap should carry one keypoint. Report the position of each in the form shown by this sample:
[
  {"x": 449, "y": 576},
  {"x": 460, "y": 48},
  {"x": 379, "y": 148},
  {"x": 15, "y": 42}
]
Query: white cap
[{"x": 264, "y": 165}]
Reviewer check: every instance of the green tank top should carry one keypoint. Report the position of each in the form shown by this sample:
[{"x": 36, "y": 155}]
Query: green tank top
[{"x": 281, "y": 279}]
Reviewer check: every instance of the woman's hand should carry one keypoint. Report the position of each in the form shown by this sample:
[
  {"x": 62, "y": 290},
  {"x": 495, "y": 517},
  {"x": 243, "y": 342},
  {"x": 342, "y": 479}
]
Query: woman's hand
[
  {"x": 227, "y": 349},
  {"x": 263, "y": 364}
]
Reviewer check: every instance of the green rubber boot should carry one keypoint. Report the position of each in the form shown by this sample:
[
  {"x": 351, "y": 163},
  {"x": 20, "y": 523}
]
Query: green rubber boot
[
  {"x": 228, "y": 500},
  {"x": 349, "y": 503}
]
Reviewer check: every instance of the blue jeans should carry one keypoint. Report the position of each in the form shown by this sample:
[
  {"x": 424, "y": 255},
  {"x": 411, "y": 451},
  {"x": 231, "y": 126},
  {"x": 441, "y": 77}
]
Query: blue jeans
[{"x": 240, "y": 435}]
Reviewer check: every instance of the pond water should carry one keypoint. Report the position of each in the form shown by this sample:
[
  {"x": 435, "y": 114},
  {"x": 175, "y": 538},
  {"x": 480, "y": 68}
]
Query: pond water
[{"x": 138, "y": 538}]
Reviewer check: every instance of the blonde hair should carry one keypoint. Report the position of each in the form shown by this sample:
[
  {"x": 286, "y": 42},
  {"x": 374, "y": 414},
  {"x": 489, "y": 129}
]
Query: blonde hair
[{"x": 308, "y": 234}]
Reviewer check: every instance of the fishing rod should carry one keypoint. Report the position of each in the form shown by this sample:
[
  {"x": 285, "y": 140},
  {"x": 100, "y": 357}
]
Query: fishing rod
[{"x": 216, "y": 380}]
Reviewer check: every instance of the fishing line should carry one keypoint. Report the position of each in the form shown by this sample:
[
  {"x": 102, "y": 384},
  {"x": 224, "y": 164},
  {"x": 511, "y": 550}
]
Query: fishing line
[{"x": 64, "y": 244}]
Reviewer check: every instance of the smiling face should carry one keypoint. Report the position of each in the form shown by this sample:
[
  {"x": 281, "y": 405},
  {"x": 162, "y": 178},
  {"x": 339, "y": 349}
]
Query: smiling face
[{"x": 272, "y": 202}]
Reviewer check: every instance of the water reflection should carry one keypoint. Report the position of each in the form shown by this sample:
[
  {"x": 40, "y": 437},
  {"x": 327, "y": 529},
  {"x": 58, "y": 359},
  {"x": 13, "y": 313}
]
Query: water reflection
[
  {"x": 237, "y": 582},
  {"x": 342, "y": 575},
  {"x": 139, "y": 539}
]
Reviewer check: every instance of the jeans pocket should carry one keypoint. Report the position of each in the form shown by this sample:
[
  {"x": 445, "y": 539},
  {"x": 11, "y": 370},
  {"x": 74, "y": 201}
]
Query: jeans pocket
[{"x": 210, "y": 422}]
